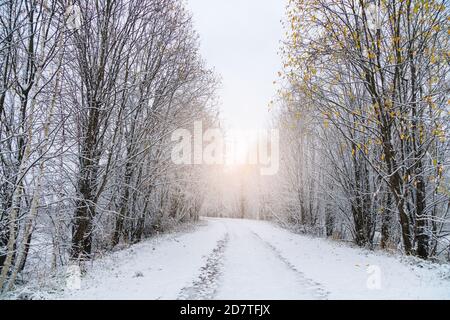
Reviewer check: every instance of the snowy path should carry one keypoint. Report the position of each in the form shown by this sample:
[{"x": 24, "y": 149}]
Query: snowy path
[
  {"x": 253, "y": 270},
  {"x": 244, "y": 259}
]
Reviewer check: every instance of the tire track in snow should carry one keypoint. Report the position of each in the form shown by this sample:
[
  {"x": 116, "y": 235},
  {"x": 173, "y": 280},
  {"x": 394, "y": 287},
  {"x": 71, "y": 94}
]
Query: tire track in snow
[
  {"x": 206, "y": 285},
  {"x": 314, "y": 287}
]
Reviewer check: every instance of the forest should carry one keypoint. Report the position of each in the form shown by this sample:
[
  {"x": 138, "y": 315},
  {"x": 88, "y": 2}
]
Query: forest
[
  {"x": 86, "y": 114},
  {"x": 92, "y": 92},
  {"x": 365, "y": 111}
]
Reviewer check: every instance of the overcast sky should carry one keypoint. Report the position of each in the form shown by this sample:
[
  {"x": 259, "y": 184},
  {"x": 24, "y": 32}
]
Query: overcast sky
[{"x": 240, "y": 40}]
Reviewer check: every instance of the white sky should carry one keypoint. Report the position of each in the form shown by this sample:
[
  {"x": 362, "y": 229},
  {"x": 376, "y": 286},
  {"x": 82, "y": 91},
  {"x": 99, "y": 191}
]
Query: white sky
[{"x": 240, "y": 40}]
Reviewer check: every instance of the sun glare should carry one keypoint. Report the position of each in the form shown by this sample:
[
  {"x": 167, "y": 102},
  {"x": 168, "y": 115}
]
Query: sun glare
[{"x": 240, "y": 146}]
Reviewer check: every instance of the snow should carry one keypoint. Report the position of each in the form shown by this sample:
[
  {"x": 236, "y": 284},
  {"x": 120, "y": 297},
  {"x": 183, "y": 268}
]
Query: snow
[
  {"x": 254, "y": 271},
  {"x": 167, "y": 263},
  {"x": 248, "y": 259},
  {"x": 343, "y": 271}
]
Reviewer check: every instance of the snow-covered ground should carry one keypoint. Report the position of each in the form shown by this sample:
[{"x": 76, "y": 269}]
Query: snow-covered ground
[{"x": 246, "y": 259}]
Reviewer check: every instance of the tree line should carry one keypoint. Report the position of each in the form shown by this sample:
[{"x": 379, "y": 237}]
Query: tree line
[
  {"x": 90, "y": 92},
  {"x": 364, "y": 113}
]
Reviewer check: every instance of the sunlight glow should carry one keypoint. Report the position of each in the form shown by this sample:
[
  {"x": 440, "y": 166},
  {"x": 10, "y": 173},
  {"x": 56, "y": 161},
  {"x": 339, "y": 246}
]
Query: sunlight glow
[{"x": 241, "y": 146}]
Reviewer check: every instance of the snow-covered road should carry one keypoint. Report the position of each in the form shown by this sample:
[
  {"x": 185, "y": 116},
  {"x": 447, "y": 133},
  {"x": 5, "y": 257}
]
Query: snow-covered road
[
  {"x": 253, "y": 269},
  {"x": 246, "y": 259}
]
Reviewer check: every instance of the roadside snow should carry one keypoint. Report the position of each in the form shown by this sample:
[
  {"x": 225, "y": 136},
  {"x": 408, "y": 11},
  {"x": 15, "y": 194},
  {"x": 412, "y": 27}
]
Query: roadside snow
[
  {"x": 345, "y": 272},
  {"x": 155, "y": 269}
]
